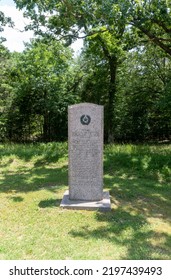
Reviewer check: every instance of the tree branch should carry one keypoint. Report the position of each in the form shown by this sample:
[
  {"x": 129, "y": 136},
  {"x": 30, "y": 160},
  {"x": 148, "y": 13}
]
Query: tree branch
[
  {"x": 162, "y": 24},
  {"x": 153, "y": 38}
]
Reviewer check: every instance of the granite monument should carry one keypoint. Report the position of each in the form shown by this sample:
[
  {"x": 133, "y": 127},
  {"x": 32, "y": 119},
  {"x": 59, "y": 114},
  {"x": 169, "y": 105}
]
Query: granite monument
[{"x": 85, "y": 147}]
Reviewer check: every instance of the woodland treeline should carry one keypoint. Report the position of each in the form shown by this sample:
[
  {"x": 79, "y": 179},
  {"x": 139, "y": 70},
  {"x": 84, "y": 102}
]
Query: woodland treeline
[{"x": 125, "y": 65}]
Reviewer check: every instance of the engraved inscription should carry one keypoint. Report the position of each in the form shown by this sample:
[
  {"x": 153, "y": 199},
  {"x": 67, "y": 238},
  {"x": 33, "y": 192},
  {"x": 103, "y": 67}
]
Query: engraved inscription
[
  {"x": 85, "y": 152},
  {"x": 86, "y": 155}
]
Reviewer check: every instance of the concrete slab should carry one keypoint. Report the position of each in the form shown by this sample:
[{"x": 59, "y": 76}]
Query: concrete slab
[{"x": 102, "y": 205}]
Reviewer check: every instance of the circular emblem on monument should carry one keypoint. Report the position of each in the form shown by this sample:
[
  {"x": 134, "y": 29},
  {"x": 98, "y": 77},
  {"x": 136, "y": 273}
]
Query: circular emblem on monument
[{"x": 85, "y": 119}]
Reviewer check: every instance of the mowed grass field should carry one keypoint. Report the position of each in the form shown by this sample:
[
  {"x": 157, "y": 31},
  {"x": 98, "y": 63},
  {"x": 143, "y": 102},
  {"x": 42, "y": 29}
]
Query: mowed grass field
[{"x": 33, "y": 179}]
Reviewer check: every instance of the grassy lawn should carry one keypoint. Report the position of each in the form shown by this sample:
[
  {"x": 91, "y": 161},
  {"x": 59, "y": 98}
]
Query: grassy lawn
[{"x": 33, "y": 179}]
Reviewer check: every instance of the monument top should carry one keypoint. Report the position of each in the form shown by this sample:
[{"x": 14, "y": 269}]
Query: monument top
[
  {"x": 84, "y": 104},
  {"x": 87, "y": 116}
]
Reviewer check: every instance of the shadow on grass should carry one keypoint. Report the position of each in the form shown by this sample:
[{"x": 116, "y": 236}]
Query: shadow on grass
[
  {"x": 34, "y": 179},
  {"x": 17, "y": 198},
  {"x": 140, "y": 176},
  {"x": 139, "y": 223},
  {"x": 145, "y": 196},
  {"x": 43, "y": 175},
  {"x": 131, "y": 232},
  {"x": 151, "y": 161},
  {"x": 49, "y": 203},
  {"x": 49, "y": 152},
  {"x": 139, "y": 185}
]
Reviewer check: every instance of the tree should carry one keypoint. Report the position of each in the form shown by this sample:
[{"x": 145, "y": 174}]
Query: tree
[
  {"x": 153, "y": 18},
  {"x": 111, "y": 29},
  {"x": 3, "y": 22},
  {"x": 5, "y": 88},
  {"x": 40, "y": 78},
  {"x": 101, "y": 58},
  {"x": 143, "y": 101},
  {"x": 67, "y": 19}
]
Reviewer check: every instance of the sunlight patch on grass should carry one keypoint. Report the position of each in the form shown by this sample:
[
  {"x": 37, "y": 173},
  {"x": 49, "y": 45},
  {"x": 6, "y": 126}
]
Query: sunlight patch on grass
[{"x": 160, "y": 225}]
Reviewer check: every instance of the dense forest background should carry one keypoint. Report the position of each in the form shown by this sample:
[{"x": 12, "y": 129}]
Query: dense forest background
[{"x": 125, "y": 65}]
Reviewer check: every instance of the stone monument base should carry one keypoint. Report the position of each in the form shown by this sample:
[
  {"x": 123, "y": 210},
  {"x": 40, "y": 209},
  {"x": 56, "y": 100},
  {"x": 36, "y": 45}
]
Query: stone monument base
[{"x": 102, "y": 205}]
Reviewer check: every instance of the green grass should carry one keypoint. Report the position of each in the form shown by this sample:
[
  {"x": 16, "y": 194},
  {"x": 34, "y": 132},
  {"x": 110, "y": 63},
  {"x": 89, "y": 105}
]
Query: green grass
[{"x": 33, "y": 179}]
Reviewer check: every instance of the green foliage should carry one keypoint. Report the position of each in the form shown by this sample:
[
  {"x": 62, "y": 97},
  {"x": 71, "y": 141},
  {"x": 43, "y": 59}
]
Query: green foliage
[
  {"x": 149, "y": 18},
  {"x": 142, "y": 97},
  {"x": 5, "y": 89},
  {"x": 125, "y": 66},
  {"x": 40, "y": 77},
  {"x": 3, "y": 22},
  {"x": 144, "y": 79}
]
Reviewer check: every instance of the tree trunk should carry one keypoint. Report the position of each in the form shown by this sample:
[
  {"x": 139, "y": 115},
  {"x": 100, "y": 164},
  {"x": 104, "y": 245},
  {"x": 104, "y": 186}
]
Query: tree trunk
[
  {"x": 112, "y": 60},
  {"x": 111, "y": 99},
  {"x": 45, "y": 120},
  {"x": 45, "y": 127}
]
